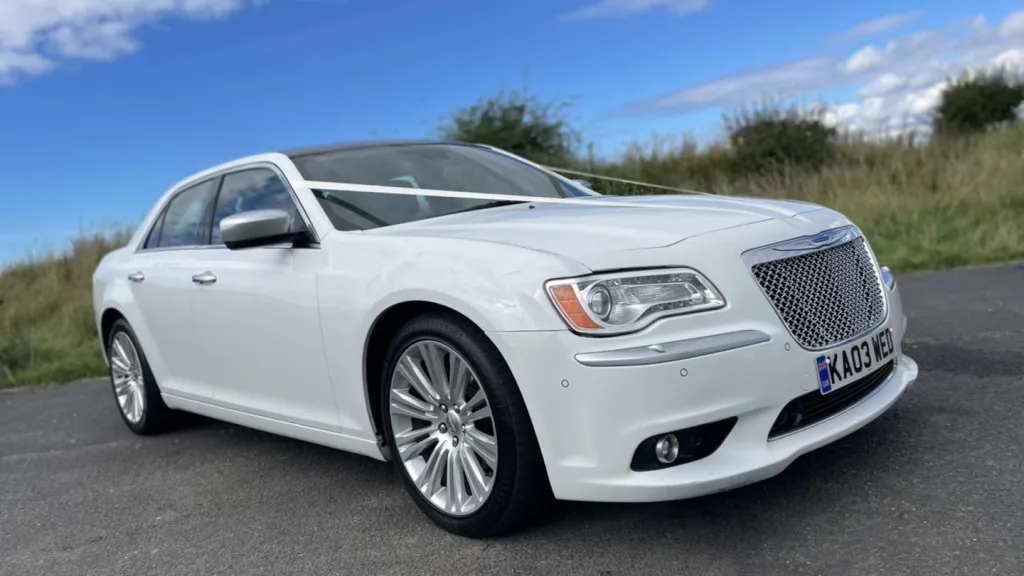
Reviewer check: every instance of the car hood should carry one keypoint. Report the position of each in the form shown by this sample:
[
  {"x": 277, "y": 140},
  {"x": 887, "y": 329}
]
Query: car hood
[{"x": 578, "y": 232}]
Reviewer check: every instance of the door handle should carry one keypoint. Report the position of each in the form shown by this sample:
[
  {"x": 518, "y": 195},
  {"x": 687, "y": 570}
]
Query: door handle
[
  {"x": 205, "y": 278},
  {"x": 136, "y": 277}
]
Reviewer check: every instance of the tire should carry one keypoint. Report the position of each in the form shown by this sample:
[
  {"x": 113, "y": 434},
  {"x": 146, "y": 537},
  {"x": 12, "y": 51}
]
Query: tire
[
  {"x": 518, "y": 483},
  {"x": 154, "y": 416}
]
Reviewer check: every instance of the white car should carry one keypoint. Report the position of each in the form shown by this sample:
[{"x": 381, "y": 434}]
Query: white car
[{"x": 498, "y": 331}]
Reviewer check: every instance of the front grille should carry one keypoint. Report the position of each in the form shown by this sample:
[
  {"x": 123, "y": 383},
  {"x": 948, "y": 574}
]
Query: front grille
[
  {"x": 825, "y": 297},
  {"x": 814, "y": 407}
]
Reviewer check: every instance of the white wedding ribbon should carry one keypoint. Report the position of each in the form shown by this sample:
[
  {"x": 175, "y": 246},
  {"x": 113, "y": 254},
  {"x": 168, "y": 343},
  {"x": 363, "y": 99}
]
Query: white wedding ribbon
[
  {"x": 624, "y": 181},
  {"x": 403, "y": 191}
]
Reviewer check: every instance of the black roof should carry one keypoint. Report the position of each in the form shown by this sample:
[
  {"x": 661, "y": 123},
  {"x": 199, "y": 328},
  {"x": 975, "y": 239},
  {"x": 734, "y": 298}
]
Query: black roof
[{"x": 298, "y": 152}]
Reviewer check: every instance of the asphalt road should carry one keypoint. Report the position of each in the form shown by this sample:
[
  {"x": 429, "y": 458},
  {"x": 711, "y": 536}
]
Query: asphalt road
[{"x": 935, "y": 486}]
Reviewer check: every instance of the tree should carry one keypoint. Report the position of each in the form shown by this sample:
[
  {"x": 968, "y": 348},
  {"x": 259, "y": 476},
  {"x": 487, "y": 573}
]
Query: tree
[
  {"x": 979, "y": 102},
  {"x": 518, "y": 123}
]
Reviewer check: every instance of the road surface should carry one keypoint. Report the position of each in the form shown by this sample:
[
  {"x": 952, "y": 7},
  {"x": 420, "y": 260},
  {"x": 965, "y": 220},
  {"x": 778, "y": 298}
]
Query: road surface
[{"x": 934, "y": 487}]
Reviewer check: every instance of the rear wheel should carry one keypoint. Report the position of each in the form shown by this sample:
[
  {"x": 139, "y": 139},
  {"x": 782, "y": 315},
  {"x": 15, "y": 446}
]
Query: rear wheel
[
  {"x": 135, "y": 390},
  {"x": 458, "y": 428}
]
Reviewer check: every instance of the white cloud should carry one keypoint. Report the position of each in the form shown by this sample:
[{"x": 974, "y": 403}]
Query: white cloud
[
  {"x": 871, "y": 57},
  {"x": 896, "y": 83},
  {"x": 924, "y": 101},
  {"x": 617, "y": 8},
  {"x": 798, "y": 76},
  {"x": 38, "y": 35},
  {"x": 864, "y": 59},
  {"x": 885, "y": 84},
  {"x": 879, "y": 25},
  {"x": 1010, "y": 60},
  {"x": 1013, "y": 26}
]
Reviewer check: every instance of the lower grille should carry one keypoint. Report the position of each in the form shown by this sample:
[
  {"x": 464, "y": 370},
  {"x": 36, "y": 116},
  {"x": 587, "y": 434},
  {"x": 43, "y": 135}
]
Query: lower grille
[{"x": 814, "y": 407}]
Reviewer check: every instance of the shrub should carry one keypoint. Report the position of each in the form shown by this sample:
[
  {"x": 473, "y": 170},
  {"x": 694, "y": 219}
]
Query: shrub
[
  {"x": 518, "y": 123},
  {"x": 979, "y": 102},
  {"x": 770, "y": 139}
]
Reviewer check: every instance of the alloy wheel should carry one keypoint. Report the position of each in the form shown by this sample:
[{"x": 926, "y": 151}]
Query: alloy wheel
[
  {"x": 126, "y": 371},
  {"x": 443, "y": 428}
]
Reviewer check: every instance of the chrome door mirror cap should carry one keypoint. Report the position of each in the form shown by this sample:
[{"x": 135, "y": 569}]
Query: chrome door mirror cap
[{"x": 257, "y": 228}]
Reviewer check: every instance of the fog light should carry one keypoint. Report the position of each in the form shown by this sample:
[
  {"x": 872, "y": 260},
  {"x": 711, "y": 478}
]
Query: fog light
[
  {"x": 680, "y": 447},
  {"x": 667, "y": 449}
]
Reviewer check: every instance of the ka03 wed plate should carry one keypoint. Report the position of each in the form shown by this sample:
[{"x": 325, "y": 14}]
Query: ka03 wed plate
[{"x": 855, "y": 360}]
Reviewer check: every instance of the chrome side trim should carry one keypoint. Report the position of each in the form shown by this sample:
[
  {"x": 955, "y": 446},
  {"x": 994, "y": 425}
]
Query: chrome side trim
[
  {"x": 282, "y": 246},
  {"x": 673, "y": 351}
]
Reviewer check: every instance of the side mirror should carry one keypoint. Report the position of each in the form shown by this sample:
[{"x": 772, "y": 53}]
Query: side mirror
[
  {"x": 584, "y": 183},
  {"x": 257, "y": 228}
]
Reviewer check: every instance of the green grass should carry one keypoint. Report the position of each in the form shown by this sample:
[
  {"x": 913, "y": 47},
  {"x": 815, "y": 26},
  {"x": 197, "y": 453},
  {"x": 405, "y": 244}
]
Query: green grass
[
  {"x": 47, "y": 331},
  {"x": 936, "y": 206},
  {"x": 946, "y": 204}
]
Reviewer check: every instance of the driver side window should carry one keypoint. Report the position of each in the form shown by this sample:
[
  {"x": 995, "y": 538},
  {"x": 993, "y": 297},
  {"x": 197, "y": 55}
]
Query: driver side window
[
  {"x": 183, "y": 223},
  {"x": 253, "y": 189}
]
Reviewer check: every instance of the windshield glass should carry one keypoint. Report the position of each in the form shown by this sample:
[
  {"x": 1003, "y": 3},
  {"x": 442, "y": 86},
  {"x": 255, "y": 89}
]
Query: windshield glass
[{"x": 461, "y": 168}]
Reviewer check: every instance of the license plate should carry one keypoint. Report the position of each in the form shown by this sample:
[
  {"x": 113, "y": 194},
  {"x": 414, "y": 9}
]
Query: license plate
[{"x": 855, "y": 360}]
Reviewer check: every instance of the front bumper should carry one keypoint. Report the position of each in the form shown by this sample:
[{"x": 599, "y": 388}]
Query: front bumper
[{"x": 590, "y": 419}]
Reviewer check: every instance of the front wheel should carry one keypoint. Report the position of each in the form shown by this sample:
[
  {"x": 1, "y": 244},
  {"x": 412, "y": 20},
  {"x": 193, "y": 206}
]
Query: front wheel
[
  {"x": 458, "y": 428},
  {"x": 135, "y": 390}
]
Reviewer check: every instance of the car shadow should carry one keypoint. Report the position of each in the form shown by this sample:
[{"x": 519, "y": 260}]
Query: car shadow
[
  {"x": 815, "y": 488},
  {"x": 818, "y": 481}
]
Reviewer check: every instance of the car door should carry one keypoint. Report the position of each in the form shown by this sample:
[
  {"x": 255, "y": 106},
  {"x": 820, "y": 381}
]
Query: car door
[
  {"x": 257, "y": 314},
  {"x": 159, "y": 276}
]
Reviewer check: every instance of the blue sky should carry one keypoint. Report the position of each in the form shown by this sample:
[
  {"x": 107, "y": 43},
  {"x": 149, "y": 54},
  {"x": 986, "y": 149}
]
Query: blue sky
[{"x": 105, "y": 103}]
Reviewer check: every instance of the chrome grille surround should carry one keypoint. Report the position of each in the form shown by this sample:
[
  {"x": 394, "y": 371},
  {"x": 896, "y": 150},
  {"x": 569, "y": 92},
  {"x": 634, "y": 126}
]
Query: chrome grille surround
[{"x": 827, "y": 288}]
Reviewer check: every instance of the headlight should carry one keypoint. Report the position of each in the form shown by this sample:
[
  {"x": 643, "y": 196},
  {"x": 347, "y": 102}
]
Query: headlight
[{"x": 630, "y": 301}]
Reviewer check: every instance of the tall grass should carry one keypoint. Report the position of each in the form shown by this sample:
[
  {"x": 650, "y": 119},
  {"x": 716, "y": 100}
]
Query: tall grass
[
  {"x": 946, "y": 203},
  {"x": 942, "y": 204},
  {"x": 47, "y": 331}
]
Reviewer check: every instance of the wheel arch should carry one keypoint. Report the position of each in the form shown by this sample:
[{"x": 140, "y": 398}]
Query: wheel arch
[
  {"x": 107, "y": 320},
  {"x": 382, "y": 331}
]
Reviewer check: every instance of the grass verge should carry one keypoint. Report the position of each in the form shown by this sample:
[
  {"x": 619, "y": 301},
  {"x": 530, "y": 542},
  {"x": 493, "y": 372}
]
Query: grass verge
[{"x": 47, "y": 331}]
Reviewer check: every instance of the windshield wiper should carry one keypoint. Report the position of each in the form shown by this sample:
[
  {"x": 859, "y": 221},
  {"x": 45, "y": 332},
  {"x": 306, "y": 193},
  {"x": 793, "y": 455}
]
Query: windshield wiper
[{"x": 491, "y": 204}]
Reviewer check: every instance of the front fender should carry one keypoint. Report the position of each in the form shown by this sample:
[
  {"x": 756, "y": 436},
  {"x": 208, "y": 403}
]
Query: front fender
[{"x": 500, "y": 288}]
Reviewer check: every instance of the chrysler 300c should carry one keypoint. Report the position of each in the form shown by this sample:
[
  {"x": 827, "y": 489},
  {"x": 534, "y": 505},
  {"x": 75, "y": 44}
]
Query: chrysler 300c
[{"x": 501, "y": 333}]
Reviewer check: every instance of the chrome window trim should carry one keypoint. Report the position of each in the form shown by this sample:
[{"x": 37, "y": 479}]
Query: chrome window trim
[
  {"x": 140, "y": 247},
  {"x": 829, "y": 238},
  {"x": 673, "y": 351}
]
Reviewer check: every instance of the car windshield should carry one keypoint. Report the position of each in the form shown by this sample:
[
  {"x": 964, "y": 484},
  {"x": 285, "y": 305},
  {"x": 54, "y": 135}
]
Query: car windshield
[{"x": 456, "y": 167}]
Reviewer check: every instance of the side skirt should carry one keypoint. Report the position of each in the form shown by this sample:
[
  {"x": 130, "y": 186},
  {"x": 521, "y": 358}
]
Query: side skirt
[{"x": 296, "y": 431}]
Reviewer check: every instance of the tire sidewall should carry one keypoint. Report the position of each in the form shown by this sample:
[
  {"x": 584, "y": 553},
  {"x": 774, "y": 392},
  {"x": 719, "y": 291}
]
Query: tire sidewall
[
  {"x": 150, "y": 390},
  {"x": 495, "y": 381}
]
